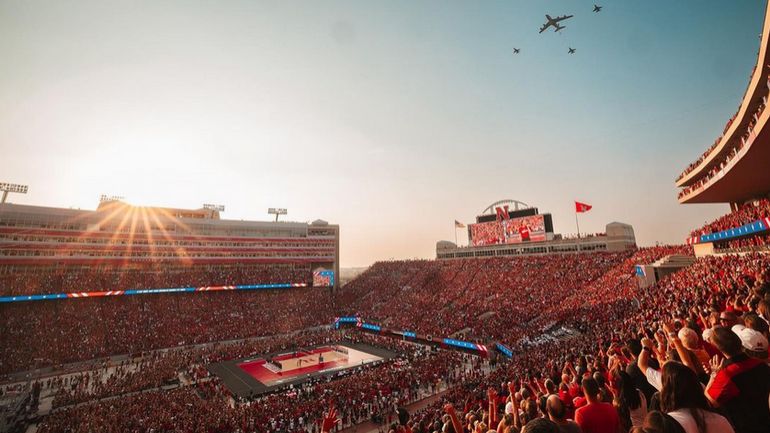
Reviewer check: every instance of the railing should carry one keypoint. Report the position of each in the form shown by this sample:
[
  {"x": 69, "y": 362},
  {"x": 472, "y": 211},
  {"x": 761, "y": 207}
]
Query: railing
[{"x": 717, "y": 172}]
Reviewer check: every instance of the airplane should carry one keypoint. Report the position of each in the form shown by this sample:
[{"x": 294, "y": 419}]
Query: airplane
[
  {"x": 516, "y": 51},
  {"x": 597, "y": 8},
  {"x": 571, "y": 50},
  {"x": 554, "y": 22}
]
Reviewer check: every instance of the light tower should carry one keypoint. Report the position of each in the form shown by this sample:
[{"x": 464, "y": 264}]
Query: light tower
[
  {"x": 277, "y": 211},
  {"x": 11, "y": 187},
  {"x": 216, "y": 207},
  {"x": 104, "y": 198}
]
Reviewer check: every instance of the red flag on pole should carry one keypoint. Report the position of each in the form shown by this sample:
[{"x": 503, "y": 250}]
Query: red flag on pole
[{"x": 582, "y": 207}]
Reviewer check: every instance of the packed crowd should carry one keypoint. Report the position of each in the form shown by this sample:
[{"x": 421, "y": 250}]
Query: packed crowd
[
  {"x": 43, "y": 334},
  {"x": 470, "y": 295},
  {"x": 708, "y": 151},
  {"x": 91, "y": 279},
  {"x": 483, "y": 299},
  {"x": 729, "y": 123},
  {"x": 733, "y": 148},
  {"x": 364, "y": 393},
  {"x": 752, "y": 243},
  {"x": 686, "y": 355},
  {"x": 154, "y": 369},
  {"x": 689, "y": 355},
  {"x": 745, "y": 214},
  {"x": 616, "y": 288}
]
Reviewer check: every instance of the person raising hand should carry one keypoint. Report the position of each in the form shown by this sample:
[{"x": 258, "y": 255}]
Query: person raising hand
[{"x": 330, "y": 420}]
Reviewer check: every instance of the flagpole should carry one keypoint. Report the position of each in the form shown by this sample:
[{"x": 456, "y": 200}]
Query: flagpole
[
  {"x": 455, "y": 233},
  {"x": 577, "y": 225}
]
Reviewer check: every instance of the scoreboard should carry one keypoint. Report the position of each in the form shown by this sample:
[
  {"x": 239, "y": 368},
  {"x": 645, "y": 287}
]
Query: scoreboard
[{"x": 510, "y": 227}]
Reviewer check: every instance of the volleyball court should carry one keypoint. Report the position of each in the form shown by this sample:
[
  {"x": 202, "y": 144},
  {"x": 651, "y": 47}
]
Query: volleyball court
[{"x": 289, "y": 366}]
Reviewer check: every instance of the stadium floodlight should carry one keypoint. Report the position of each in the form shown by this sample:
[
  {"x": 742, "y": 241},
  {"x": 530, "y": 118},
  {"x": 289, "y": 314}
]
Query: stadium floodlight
[
  {"x": 277, "y": 211},
  {"x": 6, "y": 187},
  {"x": 216, "y": 207},
  {"x": 105, "y": 197}
]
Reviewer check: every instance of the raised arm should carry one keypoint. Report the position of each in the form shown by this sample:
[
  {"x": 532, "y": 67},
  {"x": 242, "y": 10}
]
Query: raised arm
[
  {"x": 715, "y": 364},
  {"x": 684, "y": 354},
  {"x": 568, "y": 366},
  {"x": 644, "y": 356},
  {"x": 330, "y": 420},
  {"x": 540, "y": 386},
  {"x": 662, "y": 346},
  {"x": 450, "y": 410},
  {"x": 492, "y": 395},
  {"x": 501, "y": 426},
  {"x": 703, "y": 320},
  {"x": 516, "y": 419}
]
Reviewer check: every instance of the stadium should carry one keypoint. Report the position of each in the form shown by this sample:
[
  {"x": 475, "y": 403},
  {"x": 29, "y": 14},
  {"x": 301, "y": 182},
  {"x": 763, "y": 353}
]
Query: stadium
[{"x": 129, "y": 318}]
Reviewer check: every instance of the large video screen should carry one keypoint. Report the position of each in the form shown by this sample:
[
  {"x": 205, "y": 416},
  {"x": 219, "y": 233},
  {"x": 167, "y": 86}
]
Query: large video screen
[{"x": 510, "y": 231}]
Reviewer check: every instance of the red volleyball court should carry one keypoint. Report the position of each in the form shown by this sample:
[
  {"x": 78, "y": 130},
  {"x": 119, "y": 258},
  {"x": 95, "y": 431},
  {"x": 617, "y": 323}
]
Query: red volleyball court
[{"x": 286, "y": 367}]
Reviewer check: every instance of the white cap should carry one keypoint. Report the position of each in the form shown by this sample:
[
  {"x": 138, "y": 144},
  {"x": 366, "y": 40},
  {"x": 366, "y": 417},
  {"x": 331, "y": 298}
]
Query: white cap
[
  {"x": 738, "y": 328},
  {"x": 753, "y": 342}
]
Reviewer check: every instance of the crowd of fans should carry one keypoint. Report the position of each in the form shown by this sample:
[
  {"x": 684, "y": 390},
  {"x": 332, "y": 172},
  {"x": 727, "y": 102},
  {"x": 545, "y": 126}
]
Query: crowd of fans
[
  {"x": 729, "y": 123},
  {"x": 689, "y": 354},
  {"x": 91, "y": 279},
  {"x": 487, "y": 299},
  {"x": 483, "y": 297},
  {"x": 363, "y": 393},
  {"x": 745, "y": 214},
  {"x": 51, "y": 333},
  {"x": 733, "y": 148},
  {"x": 686, "y": 355},
  {"x": 154, "y": 369},
  {"x": 708, "y": 151},
  {"x": 752, "y": 243}
]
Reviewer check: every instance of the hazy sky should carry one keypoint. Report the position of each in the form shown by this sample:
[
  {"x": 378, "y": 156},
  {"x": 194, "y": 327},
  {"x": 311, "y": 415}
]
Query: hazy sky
[{"x": 390, "y": 118}]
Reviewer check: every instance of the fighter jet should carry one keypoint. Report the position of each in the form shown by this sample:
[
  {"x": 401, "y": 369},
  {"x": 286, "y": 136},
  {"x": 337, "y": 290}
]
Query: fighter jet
[
  {"x": 571, "y": 50},
  {"x": 554, "y": 22},
  {"x": 515, "y": 51},
  {"x": 597, "y": 8}
]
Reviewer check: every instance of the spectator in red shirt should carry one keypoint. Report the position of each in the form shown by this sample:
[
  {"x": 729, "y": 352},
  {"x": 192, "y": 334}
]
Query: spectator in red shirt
[
  {"x": 741, "y": 385},
  {"x": 558, "y": 414},
  {"x": 596, "y": 417},
  {"x": 524, "y": 233}
]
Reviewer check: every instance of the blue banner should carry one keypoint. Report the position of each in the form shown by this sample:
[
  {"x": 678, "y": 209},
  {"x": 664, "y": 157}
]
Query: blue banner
[
  {"x": 757, "y": 226},
  {"x": 460, "y": 343},
  {"x": 467, "y": 345},
  {"x": 131, "y": 292},
  {"x": 504, "y": 350}
]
